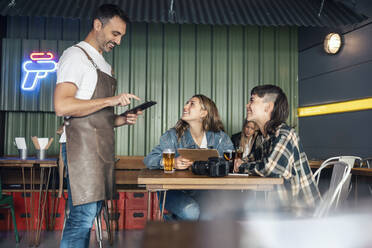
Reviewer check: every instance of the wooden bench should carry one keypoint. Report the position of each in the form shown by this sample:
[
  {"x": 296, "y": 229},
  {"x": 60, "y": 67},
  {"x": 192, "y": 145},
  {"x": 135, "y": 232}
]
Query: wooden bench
[{"x": 127, "y": 169}]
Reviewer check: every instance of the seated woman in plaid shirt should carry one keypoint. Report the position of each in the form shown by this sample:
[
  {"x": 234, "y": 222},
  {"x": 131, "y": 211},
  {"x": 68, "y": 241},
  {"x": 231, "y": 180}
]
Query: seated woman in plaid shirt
[{"x": 280, "y": 154}]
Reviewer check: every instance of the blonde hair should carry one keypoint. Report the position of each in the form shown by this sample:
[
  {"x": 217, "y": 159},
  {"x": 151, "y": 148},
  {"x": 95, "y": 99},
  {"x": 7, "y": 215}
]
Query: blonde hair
[
  {"x": 211, "y": 122},
  {"x": 243, "y": 139}
]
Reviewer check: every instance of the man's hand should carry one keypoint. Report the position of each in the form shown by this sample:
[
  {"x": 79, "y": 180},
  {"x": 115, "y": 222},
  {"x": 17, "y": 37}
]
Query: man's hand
[
  {"x": 122, "y": 99},
  {"x": 129, "y": 119},
  {"x": 66, "y": 104}
]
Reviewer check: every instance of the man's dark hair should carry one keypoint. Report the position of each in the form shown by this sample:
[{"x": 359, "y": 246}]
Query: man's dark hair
[
  {"x": 280, "y": 111},
  {"x": 107, "y": 11}
]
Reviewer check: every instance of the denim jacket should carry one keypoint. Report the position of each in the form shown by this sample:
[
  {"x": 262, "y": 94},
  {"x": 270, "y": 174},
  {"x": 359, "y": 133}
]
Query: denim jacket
[{"x": 216, "y": 140}]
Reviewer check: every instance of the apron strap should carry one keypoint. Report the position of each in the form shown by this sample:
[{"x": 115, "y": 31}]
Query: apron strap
[
  {"x": 61, "y": 171},
  {"x": 90, "y": 59}
]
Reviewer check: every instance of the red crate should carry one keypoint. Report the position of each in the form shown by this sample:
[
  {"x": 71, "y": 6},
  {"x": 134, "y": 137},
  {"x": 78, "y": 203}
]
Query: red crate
[
  {"x": 136, "y": 200},
  {"x": 118, "y": 201},
  {"x": 116, "y": 218},
  {"x": 5, "y": 219},
  {"x": 135, "y": 218},
  {"x": 58, "y": 211},
  {"x": 121, "y": 220},
  {"x": 121, "y": 201},
  {"x": 155, "y": 202},
  {"x": 155, "y": 215},
  {"x": 20, "y": 210}
]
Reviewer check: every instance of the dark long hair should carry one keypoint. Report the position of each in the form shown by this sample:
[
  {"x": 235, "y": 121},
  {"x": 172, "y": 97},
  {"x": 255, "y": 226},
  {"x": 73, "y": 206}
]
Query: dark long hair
[
  {"x": 280, "y": 112},
  {"x": 212, "y": 122}
]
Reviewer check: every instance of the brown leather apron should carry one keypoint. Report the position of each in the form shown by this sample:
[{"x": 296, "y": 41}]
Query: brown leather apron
[{"x": 90, "y": 144}]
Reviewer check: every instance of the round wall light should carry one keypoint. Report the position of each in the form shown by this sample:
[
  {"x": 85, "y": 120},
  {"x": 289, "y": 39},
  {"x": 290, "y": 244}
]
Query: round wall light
[{"x": 332, "y": 43}]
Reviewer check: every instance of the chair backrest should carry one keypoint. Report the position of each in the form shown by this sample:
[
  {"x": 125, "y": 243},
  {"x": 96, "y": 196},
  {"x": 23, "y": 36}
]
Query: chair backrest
[
  {"x": 349, "y": 160},
  {"x": 367, "y": 162},
  {"x": 338, "y": 188}
]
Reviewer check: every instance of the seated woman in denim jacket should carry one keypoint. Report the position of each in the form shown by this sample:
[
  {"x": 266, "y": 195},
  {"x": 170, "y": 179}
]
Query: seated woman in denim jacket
[{"x": 199, "y": 127}]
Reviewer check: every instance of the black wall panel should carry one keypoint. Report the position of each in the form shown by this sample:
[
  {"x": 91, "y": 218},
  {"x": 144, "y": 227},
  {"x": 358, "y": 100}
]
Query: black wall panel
[
  {"x": 327, "y": 78},
  {"x": 356, "y": 49},
  {"x": 350, "y": 83},
  {"x": 337, "y": 134}
]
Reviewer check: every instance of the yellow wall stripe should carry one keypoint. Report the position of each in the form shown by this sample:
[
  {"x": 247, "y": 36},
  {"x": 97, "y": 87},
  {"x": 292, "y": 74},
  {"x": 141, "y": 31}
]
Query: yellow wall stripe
[{"x": 338, "y": 107}]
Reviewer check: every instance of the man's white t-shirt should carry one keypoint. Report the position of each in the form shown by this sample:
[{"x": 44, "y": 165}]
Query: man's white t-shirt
[{"x": 75, "y": 67}]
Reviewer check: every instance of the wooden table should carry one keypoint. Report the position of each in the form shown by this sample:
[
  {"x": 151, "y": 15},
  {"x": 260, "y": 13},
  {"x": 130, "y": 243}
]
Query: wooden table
[
  {"x": 315, "y": 164},
  {"x": 362, "y": 172},
  {"x": 33, "y": 163},
  {"x": 157, "y": 180}
]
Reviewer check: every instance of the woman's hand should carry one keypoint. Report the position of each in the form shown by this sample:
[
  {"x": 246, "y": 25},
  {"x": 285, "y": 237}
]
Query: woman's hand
[
  {"x": 182, "y": 163},
  {"x": 237, "y": 163}
]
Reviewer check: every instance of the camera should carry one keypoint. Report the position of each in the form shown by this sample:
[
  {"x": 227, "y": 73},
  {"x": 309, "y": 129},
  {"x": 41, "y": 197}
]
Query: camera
[{"x": 214, "y": 167}]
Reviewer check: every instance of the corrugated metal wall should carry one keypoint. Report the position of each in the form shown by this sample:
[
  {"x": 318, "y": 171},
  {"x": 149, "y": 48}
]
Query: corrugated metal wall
[{"x": 167, "y": 63}]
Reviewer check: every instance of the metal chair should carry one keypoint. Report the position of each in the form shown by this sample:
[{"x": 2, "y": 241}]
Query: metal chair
[
  {"x": 367, "y": 162},
  {"x": 338, "y": 188},
  {"x": 98, "y": 224},
  {"x": 6, "y": 201}
]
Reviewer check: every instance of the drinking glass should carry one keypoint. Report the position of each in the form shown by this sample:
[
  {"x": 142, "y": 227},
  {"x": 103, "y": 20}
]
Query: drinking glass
[{"x": 169, "y": 160}]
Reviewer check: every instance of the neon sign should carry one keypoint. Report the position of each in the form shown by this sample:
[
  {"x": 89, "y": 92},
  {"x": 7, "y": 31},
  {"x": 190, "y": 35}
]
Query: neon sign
[{"x": 38, "y": 67}]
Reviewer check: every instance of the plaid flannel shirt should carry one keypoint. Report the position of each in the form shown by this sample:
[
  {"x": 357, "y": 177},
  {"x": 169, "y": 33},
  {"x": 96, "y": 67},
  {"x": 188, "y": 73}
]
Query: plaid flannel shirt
[{"x": 282, "y": 155}]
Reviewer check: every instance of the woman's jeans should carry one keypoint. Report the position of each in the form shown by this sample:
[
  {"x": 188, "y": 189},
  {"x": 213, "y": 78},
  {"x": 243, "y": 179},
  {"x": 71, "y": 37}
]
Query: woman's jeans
[
  {"x": 182, "y": 204},
  {"x": 80, "y": 219}
]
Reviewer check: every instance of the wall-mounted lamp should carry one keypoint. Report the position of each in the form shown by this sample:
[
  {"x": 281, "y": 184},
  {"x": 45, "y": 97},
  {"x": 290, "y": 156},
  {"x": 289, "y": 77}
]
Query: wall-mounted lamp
[{"x": 332, "y": 43}]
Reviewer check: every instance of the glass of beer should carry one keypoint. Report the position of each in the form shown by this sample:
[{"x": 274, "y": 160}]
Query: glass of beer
[
  {"x": 239, "y": 153},
  {"x": 228, "y": 155},
  {"x": 168, "y": 160}
]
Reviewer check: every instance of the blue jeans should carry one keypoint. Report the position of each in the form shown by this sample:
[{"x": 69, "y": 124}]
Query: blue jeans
[
  {"x": 182, "y": 204},
  {"x": 80, "y": 220}
]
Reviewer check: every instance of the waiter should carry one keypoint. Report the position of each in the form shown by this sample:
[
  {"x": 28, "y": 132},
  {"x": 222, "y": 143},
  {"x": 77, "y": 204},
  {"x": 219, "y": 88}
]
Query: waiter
[{"x": 85, "y": 96}]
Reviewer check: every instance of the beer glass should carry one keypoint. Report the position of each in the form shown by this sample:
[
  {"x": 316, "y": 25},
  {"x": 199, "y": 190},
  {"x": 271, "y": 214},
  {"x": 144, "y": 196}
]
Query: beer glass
[
  {"x": 229, "y": 155},
  {"x": 239, "y": 153},
  {"x": 168, "y": 160}
]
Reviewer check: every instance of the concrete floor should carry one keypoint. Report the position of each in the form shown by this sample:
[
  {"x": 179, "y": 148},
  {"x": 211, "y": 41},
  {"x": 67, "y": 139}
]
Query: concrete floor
[{"x": 127, "y": 239}]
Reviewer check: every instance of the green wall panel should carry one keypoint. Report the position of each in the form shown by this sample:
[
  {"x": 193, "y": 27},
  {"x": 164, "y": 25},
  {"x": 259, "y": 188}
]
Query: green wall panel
[
  {"x": 154, "y": 89},
  {"x": 166, "y": 63},
  {"x": 27, "y": 124}
]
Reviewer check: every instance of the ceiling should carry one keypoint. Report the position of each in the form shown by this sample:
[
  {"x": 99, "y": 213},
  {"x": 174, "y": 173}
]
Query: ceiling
[{"x": 302, "y": 13}]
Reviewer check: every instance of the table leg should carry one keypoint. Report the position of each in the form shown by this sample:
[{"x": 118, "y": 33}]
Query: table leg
[
  {"x": 49, "y": 220},
  {"x": 356, "y": 191},
  {"x": 43, "y": 204},
  {"x": 38, "y": 222},
  {"x": 32, "y": 188},
  {"x": 24, "y": 197},
  {"x": 149, "y": 204},
  {"x": 162, "y": 206}
]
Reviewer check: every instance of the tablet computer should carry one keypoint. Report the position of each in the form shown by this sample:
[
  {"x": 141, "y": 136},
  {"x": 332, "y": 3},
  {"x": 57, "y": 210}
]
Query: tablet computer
[
  {"x": 141, "y": 107},
  {"x": 198, "y": 154}
]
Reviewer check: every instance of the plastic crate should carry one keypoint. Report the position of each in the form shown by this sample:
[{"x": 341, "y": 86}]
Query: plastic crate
[
  {"x": 135, "y": 218},
  {"x": 118, "y": 201},
  {"x": 136, "y": 200},
  {"x": 22, "y": 214},
  {"x": 116, "y": 219},
  {"x": 58, "y": 211},
  {"x": 5, "y": 220}
]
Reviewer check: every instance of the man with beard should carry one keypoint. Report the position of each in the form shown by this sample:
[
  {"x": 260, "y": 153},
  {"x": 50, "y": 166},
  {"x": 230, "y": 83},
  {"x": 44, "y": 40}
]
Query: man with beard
[{"x": 85, "y": 96}]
